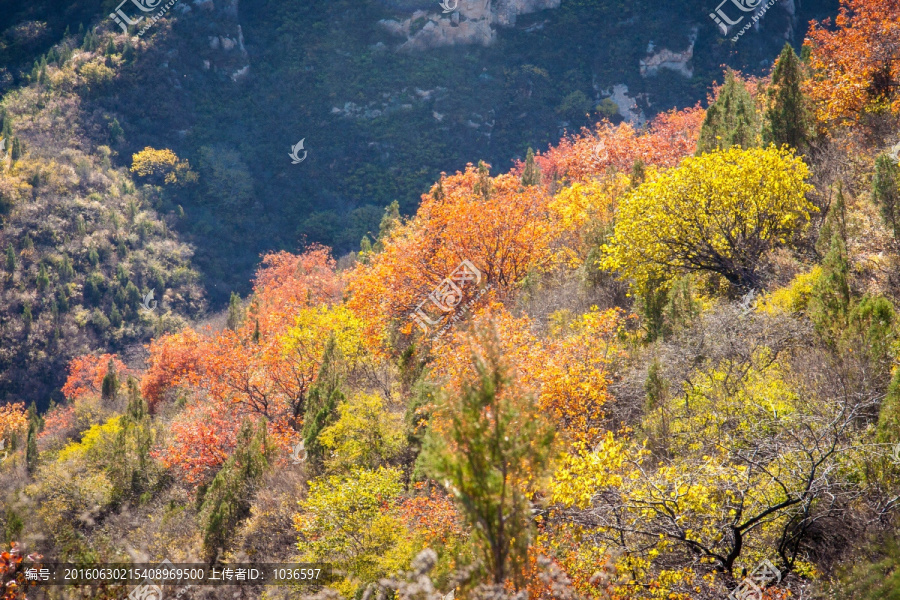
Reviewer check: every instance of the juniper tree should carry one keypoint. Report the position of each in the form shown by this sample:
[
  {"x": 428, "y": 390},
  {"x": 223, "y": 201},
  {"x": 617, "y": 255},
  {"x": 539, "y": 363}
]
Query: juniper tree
[
  {"x": 494, "y": 441},
  {"x": 321, "y": 404},
  {"x": 10, "y": 258},
  {"x": 110, "y": 385},
  {"x": 226, "y": 501},
  {"x": 885, "y": 192},
  {"x": 531, "y": 173},
  {"x": 787, "y": 118},
  {"x": 731, "y": 120},
  {"x": 235, "y": 313}
]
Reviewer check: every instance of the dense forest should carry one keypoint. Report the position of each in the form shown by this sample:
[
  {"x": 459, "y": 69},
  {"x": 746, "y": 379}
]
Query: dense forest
[{"x": 653, "y": 359}]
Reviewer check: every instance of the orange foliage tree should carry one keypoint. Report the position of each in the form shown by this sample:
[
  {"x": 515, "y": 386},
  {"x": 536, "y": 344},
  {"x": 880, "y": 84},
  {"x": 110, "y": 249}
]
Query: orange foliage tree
[
  {"x": 86, "y": 374},
  {"x": 12, "y": 421},
  {"x": 856, "y": 67},
  {"x": 569, "y": 374},
  {"x": 670, "y": 137},
  {"x": 503, "y": 229},
  {"x": 256, "y": 369}
]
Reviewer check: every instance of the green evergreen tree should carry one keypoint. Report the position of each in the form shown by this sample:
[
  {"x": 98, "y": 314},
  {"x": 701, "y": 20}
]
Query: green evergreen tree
[
  {"x": 365, "y": 248},
  {"x": 43, "y": 279},
  {"x": 321, "y": 405},
  {"x": 731, "y": 120},
  {"x": 27, "y": 317},
  {"x": 256, "y": 332},
  {"x": 128, "y": 51},
  {"x": 886, "y": 192},
  {"x": 27, "y": 242},
  {"x": 110, "y": 48},
  {"x": 15, "y": 152},
  {"x": 483, "y": 185},
  {"x": 235, "y": 313},
  {"x": 116, "y": 133},
  {"x": 496, "y": 440},
  {"x": 115, "y": 317},
  {"x": 10, "y": 258},
  {"x": 31, "y": 449},
  {"x": 531, "y": 173},
  {"x": 389, "y": 221},
  {"x": 226, "y": 501},
  {"x": 787, "y": 118},
  {"x": 109, "y": 388},
  {"x": 130, "y": 472}
]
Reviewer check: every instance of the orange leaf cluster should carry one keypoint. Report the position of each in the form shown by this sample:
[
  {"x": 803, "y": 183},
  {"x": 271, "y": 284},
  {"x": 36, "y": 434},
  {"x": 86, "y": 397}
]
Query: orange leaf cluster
[
  {"x": 247, "y": 372},
  {"x": 670, "y": 137},
  {"x": 12, "y": 420},
  {"x": 505, "y": 234},
  {"x": 434, "y": 517},
  {"x": 569, "y": 376},
  {"x": 856, "y": 67},
  {"x": 86, "y": 374}
]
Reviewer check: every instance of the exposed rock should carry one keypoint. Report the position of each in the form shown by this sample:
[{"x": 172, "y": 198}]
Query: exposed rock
[
  {"x": 627, "y": 105},
  {"x": 666, "y": 59},
  {"x": 472, "y": 22}
]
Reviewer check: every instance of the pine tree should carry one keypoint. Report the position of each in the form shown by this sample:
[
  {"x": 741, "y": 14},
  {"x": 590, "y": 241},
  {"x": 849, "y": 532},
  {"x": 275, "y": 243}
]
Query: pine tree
[
  {"x": 15, "y": 151},
  {"x": 27, "y": 242},
  {"x": 31, "y": 449},
  {"x": 365, "y": 248},
  {"x": 321, "y": 405},
  {"x": 787, "y": 117},
  {"x": 110, "y": 48},
  {"x": 110, "y": 386},
  {"x": 886, "y": 192},
  {"x": 731, "y": 120},
  {"x": 256, "y": 332},
  {"x": 389, "y": 221},
  {"x": 495, "y": 441},
  {"x": 235, "y": 313},
  {"x": 483, "y": 186},
  {"x": 43, "y": 280},
  {"x": 10, "y": 258},
  {"x": 226, "y": 501},
  {"x": 115, "y": 317},
  {"x": 27, "y": 317},
  {"x": 531, "y": 174}
]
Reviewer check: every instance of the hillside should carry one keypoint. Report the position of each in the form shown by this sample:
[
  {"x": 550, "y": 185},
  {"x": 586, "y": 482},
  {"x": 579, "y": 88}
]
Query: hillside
[{"x": 647, "y": 360}]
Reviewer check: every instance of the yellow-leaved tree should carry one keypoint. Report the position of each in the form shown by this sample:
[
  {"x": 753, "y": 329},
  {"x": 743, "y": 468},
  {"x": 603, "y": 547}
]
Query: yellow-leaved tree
[{"x": 715, "y": 213}]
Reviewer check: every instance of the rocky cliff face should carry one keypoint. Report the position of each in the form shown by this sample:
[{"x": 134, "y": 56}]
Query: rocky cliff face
[{"x": 461, "y": 22}]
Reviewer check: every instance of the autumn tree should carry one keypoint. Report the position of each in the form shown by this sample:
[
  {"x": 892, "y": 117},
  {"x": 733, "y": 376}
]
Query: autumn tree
[
  {"x": 856, "y": 65},
  {"x": 716, "y": 213},
  {"x": 787, "y": 120},
  {"x": 731, "y": 120},
  {"x": 492, "y": 443},
  {"x": 226, "y": 501},
  {"x": 162, "y": 166}
]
